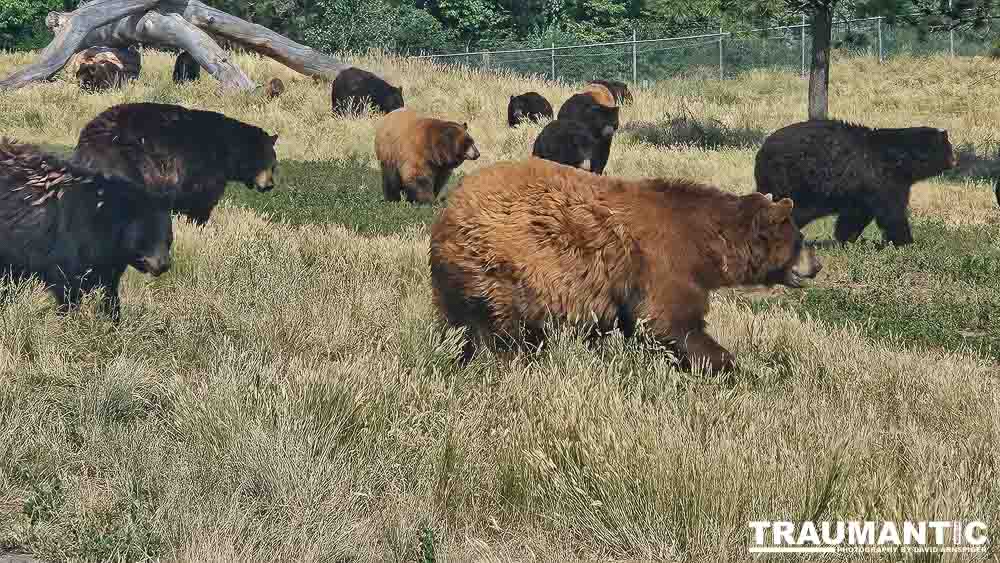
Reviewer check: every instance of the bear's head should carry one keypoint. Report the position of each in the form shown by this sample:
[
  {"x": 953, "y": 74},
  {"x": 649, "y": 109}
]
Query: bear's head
[
  {"x": 918, "y": 152},
  {"x": 260, "y": 163},
  {"x": 394, "y": 99},
  {"x": 451, "y": 145},
  {"x": 778, "y": 254},
  {"x": 603, "y": 120}
]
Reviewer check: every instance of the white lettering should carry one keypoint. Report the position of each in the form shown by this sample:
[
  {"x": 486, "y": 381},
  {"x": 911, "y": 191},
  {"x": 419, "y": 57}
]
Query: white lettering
[
  {"x": 858, "y": 534},
  {"x": 808, "y": 534},
  {"x": 758, "y": 531},
  {"x": 783, "y": 531},
  {"x": 889, "y": 534},
  {"x": 915, "y": 533},
  {"x": 826, "y": 533},
  {"x": 973, "y": 538}
]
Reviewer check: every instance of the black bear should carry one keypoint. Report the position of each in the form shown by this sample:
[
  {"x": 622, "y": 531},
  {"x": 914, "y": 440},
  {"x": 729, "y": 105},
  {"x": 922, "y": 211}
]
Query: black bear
[
  {"x": 75, "y": 229},
  {"x": 354, "y": 88},
  {"x": 190, "y": 154},
  {"x": 601, "y": 120},
  {"x": 832, "y": 167},
  {"x": 186, "y": 69},
  {"x": 529, "y": 106},
  {"x": 567, "y": 142}
]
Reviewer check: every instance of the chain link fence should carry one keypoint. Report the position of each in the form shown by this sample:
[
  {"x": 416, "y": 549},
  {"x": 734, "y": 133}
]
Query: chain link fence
[{"x": 721, "y": 53}]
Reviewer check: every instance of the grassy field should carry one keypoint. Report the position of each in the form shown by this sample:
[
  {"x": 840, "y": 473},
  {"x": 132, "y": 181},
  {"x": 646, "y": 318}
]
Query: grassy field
[{"x": 283, "y": 395}]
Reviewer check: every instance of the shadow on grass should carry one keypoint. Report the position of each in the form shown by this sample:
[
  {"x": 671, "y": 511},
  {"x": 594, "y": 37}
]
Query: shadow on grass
[
  {"x": 689, "y": 131},
  {"x": 346, "y": 192}
]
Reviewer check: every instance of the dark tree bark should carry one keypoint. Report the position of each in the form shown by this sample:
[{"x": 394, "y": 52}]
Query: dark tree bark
[
  {"x": 819, "y": 72},
  {"x": 181, "y": 24}
]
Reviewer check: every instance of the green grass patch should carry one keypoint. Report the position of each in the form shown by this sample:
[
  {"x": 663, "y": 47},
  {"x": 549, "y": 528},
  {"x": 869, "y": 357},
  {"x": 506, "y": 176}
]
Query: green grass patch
[
  {"x": 346, "y": 192},
  {"x": 942, "y": 291}
]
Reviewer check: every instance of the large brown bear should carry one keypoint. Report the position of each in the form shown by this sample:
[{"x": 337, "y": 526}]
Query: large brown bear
[
  {"x": 189, "y": 154},
  {"x": 417, "y": 154},
  {"x": 519, "y": 241}
]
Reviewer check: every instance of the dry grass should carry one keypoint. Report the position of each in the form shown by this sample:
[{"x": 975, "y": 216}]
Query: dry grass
[{"x": 281, "y": 395}]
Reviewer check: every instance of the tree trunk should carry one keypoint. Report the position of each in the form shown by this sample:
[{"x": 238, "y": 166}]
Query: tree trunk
[
  {"x": 175, "y": 23},
  {"x": 295, "y": 56},
  {"x": 819, "y": 73},
  {"x": 71, "y": 37}
]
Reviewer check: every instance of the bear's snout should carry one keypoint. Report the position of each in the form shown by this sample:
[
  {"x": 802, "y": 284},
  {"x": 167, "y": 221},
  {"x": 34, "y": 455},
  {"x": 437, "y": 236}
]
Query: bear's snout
[
  {"x": 806, "y": 266},
  {"x": 472, "y": 153}
]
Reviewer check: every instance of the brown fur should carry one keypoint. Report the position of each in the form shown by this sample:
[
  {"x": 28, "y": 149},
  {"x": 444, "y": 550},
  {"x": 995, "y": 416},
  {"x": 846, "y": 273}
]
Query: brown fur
[
  {"x": 523, "y": 240},
  {"x": 275, "y": 87},
  {"x": 601, "y": 95},
  {"x": 417, "y": 154},
  {"x": 103, "y": 68}
]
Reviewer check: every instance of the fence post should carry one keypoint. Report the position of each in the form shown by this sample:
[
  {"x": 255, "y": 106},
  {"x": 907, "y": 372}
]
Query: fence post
[
  {"x": 553, "y": 53},
  {"x": 803, "y": 41},
  {"x": 881, "y": 57},
  {"x": 635, "y": 64},
  {"x": 721, "y": 72},
  {"x": 951, "y": 33}
]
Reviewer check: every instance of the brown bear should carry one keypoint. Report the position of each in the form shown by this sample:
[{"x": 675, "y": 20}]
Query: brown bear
[
  {"x": 189, "y": 154},
  {"x": 275, "y": 87},
  {"x": 417, "y": 154},
  {"x": 104, "y": 68},
  {"x": 618, "y": 89},
  {"x": 601, "y": 94},
  {"x": 520, "y": 241}
]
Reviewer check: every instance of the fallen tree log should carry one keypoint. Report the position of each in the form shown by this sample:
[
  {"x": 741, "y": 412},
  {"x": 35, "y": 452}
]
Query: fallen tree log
[
  {"x": 188, "y": 25},
  {"x": 70, "y": 38}
]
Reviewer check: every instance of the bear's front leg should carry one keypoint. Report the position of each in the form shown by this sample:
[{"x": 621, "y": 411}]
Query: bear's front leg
[{"x": 698, "y": 350}]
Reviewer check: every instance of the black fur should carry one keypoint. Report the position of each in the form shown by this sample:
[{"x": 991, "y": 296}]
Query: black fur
[
  {"x": 353, "y": 88},
  {"x": 74, "y": 229},
  {"x": 602, "y": 122},
  {"x": 565, "y": 141},
  {"x": 186, "y": 69},
  {"x": 530, "y": 106},
  {"x": 188, "y": 154},
  {"x": 831, "y": 167}
]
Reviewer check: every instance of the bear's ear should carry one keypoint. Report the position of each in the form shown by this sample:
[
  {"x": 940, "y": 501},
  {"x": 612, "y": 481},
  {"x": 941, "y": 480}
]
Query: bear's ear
[{"x": 779, "y": 212}]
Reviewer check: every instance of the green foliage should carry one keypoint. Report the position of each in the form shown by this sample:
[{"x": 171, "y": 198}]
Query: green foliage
[
  {"x": 22, "y": 23},
  {"x": 359, "y": 25}
]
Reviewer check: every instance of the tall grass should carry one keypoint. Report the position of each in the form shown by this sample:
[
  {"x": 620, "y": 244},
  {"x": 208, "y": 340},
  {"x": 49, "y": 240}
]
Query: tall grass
[{"x": 283, "y": 395}]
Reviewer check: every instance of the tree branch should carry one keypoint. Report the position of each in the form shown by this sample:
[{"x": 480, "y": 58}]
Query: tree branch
[
  {"x": 70, "y": 38},
  {"x": 295, "y": 56}
]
